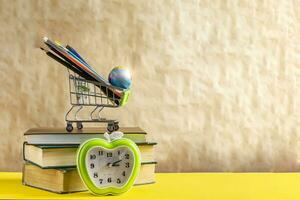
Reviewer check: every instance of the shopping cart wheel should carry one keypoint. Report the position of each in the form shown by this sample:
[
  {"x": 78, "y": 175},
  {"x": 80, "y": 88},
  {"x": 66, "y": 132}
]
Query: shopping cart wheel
[
  {"x": 79, "y": 125},
  {"x": 110, "y": 127},
  {"x": 116, "y": 126},
  {"x": 69, "y": 127}
]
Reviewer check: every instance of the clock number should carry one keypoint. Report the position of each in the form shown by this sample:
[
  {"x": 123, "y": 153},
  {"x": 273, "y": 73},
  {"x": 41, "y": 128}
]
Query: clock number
[
  {"x": 93, "y": 156},
  {"x": 127, "y": 156},
  {"x": 100, "y": 181},
  {"x": 100, "y": 153},
  {"x": 127, "y": 165},
  {"x": 109, "y": 180},
  {"x": 109, "y": 154},
  {"x": 123, "y": 173},
  {"x": 92, "y": 165},
  {"x": 95, "y": 175},
  {"x": 118, "y": 181}
]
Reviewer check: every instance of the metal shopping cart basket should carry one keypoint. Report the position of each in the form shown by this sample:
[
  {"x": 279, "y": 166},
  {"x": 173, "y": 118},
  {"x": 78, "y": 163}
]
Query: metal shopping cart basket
[{"x": 97, "y": 96}]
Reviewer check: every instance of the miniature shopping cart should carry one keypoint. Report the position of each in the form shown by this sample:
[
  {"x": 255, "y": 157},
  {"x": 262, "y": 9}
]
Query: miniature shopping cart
[{"x": 96, "y": 96}]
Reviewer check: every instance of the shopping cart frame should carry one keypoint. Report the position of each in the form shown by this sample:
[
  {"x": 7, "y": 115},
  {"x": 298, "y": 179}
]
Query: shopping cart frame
[{"x": 96, "y": 95}]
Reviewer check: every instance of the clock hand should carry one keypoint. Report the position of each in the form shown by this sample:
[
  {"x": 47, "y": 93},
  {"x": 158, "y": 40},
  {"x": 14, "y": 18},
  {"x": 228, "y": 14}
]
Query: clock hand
[{"x": 116, "y": 163}]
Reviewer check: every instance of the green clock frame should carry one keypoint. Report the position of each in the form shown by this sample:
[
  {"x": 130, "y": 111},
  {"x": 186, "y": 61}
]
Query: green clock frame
[{"x": 97, "y": 142}]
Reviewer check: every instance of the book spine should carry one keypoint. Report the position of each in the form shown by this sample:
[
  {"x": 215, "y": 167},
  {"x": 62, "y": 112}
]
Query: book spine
[{"x": 23, "y": 150}]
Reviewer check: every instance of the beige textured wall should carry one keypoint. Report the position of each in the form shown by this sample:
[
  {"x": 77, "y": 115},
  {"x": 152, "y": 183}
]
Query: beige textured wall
[{"x": 216, "y": 83}]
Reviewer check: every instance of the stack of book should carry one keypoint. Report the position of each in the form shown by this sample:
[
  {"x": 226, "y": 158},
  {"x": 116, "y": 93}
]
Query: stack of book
[{"x": 50, "y": 157}]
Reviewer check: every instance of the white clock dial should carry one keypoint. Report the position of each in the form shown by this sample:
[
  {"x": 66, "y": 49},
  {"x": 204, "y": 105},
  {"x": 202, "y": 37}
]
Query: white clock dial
[{"x": 110, "y": 167}]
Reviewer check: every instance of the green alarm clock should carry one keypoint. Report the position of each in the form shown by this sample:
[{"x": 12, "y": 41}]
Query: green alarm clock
[{"x": 108, "y": 167}]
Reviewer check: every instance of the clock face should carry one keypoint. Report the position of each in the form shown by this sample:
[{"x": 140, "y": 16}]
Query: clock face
[{"x": 109, "y": 167}]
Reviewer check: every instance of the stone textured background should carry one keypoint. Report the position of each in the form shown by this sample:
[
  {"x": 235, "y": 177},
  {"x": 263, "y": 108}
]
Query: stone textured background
[{"x": 216, "y": 83}]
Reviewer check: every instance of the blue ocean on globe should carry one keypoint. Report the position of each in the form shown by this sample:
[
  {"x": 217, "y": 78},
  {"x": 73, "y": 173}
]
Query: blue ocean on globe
[{"x": 120, "y": 77}]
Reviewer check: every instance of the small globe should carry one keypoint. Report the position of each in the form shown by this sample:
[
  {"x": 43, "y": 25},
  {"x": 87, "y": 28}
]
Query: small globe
[{"x": 120, "y": 77}]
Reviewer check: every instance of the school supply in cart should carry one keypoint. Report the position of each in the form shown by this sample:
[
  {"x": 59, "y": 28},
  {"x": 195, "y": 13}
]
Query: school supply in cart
[{"x": 72, "y": 58}]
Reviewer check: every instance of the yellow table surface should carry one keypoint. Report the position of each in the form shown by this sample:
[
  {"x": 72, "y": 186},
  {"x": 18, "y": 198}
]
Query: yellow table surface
[{"x": 187, "y": 186}]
